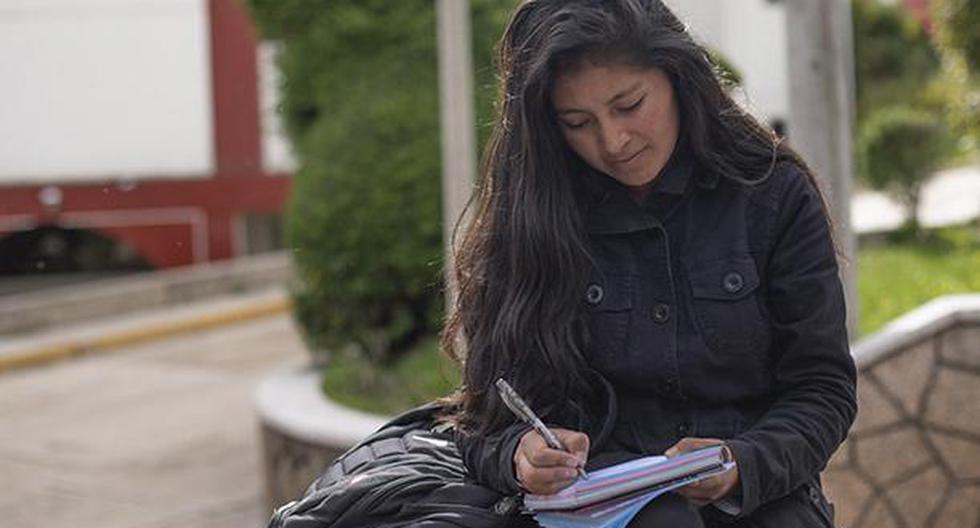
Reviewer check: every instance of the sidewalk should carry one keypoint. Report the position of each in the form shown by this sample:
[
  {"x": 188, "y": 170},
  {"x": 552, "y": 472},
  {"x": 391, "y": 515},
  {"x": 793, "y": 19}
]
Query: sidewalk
[
  {"x": 90, "y": 337},
  {"x": 950, "y": 197},
  {"x": 162, "y": 435}
]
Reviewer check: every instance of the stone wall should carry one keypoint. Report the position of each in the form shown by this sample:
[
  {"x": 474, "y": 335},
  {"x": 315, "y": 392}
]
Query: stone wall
[
  {"x": 291, "y": 465},
  {"x": 913, "y": 456},
  {"x": 303, "y": 432}
]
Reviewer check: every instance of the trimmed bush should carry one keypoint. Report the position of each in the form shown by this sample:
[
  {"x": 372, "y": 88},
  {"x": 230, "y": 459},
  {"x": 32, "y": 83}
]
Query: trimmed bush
[
  {"x": 899, "y": 149},
  {"x": 360, "y": 102}
]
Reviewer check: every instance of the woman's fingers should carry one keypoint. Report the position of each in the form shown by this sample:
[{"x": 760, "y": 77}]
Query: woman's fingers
[
  {"x": 543, "y": 470},
  {"x": 544, "y": 480},
  {"x": 540, "y": 454},
  {"x": 546, "y": 457},
  {"x": 710, "y": 489},
  {"x": 689, "y": 444},
  {"x": 575, "y": 442}
]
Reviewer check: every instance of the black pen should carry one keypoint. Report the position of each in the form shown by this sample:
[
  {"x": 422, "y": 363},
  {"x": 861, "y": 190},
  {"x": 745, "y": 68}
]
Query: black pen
[{"x": 523, "y": 411}]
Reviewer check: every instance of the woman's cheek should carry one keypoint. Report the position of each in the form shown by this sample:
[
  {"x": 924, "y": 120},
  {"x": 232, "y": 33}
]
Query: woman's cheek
[{"x": 582, "y": 146}]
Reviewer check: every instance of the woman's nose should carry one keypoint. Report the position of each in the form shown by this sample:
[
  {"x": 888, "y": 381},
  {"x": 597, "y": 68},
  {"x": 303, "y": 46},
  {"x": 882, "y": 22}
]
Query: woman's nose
[{"x": 614, "y": 139}]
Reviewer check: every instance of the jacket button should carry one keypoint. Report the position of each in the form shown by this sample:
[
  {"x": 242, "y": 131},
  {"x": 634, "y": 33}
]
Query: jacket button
[
  {"x": 733, "y": 282},
  {"x": 814, "y": 494},
  {"x": 594, "y": 294},
  {"x": 506, "y": 506},
  {"x": 660, "y": 313},
  {"x": 682, "y": 429}
]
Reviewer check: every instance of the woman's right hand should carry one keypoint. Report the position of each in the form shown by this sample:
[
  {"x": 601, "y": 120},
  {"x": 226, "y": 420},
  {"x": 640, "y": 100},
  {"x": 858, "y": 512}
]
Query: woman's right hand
[{"x": 542, "y": 470}]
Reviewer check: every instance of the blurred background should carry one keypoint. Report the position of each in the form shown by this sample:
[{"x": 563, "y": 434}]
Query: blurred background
[{"x": 223, "y": 226}]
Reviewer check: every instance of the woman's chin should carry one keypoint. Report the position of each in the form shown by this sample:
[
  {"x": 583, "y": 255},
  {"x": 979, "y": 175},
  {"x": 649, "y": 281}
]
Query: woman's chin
[{"x": 633, "y": 179}]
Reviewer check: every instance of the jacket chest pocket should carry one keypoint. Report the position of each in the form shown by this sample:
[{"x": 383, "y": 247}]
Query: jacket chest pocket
[
  {"x": 609, "y": 306},
  {"x": 726, "y": 306}
]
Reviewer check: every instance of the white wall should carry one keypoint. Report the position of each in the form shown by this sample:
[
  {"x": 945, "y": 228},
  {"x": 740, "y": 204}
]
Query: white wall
[
  {"x": 99, "y": 89},
  {"x": 752, "y": 35},
  {"x": 277, "y": 151}
]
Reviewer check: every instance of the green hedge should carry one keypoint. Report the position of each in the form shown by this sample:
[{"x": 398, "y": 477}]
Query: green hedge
[
  {"x": 899, "y": 149},
  {"x": 958, "y": 36},
  {"x": 893, "y": 56},
  {"x": 360, "y": 102},
  {"x": 959, "y": 28}
]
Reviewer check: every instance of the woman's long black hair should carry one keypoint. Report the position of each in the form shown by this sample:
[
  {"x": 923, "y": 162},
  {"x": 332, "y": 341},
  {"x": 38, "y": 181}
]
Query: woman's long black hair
[{"x": 522, "y": 265}]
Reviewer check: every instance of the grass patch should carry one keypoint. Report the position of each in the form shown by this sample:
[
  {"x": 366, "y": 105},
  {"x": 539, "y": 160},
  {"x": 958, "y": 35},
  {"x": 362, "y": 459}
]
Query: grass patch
[
  {"x": 420, "y": 376},
  {"x": 903, "y": 273}
]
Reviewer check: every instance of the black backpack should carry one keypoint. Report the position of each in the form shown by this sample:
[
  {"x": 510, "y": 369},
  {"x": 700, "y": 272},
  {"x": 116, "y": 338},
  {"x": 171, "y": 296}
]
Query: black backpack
[
  {"x": 410, "y": 473},
  {"x": 407, "y": 473}
]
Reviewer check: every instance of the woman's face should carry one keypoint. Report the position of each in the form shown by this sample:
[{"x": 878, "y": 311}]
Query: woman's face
[{"x": 622, "y": 120}]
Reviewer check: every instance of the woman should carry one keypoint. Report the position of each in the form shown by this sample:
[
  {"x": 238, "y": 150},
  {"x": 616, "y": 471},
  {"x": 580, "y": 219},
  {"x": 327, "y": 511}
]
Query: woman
[{"x": 633, "y": 226}]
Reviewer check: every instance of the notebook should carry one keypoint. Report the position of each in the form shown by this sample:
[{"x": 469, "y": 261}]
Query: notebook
[{"x": 611, "y": 496}]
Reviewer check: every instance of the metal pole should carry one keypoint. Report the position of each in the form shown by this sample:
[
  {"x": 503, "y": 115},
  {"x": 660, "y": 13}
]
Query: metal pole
[
  {"x": 821, "y": 101},
  {"x": 456, "y": 120}
]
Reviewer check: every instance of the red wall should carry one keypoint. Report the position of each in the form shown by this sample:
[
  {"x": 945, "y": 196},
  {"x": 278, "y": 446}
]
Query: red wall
[
  {"x": 147, "y": 215},
  {"x": 156, "y": 208}
]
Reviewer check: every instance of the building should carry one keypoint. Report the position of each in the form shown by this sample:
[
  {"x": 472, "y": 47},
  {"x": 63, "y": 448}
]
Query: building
[
  {"x": 136, "y": 134},
  {"x": 751, "y": 34}
]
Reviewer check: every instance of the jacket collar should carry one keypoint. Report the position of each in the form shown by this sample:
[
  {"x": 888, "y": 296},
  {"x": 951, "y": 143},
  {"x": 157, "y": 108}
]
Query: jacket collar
[{"x": 613, "y": 210}]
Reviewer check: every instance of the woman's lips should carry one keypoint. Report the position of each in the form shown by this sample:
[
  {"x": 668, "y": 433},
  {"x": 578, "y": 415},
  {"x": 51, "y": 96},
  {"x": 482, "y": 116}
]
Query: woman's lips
[{"x": 631, "y": 157}]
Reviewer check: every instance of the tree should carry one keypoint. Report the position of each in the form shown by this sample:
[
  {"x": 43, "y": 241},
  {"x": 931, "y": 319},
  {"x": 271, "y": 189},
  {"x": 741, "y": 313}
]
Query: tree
[
  {"x": 958, "y": 23},
  {"x": 360, "y": 103},
  {"x": 894, "y": 56},
  {"x": 958, "y": 37},
  {"x": 899, "y": 149}
]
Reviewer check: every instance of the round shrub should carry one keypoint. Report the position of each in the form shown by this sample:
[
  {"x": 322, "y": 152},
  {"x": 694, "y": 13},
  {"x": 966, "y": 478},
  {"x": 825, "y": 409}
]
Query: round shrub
[
  {"x": 361, "y": 102},
  {"x": 899, "y": 149}
]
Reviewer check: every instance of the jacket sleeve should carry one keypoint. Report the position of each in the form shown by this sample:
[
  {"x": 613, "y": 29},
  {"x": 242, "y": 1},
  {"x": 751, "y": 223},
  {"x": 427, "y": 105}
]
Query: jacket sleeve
[
  {"x": 814, "y": 373},
  {"x": 489, "y": 459}
]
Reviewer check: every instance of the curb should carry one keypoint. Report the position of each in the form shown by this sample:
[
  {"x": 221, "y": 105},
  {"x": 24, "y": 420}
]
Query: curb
[
  {"x": 72, "y": 348},
  {"x": 292, "y": 403}
]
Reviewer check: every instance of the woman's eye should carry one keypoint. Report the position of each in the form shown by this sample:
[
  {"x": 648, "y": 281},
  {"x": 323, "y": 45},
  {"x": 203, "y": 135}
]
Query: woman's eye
[
  {"x": 631, "y": 107},
  {"x": 576, "y": 124}
]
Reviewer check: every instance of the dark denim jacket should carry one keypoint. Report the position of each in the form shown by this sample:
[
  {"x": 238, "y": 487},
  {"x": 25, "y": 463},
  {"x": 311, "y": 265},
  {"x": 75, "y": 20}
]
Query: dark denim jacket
[{"x": 715, "y": 310}]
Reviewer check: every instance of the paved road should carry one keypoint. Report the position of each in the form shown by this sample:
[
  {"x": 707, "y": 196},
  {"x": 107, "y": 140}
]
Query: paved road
[{"x": 155, "y": 436}]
